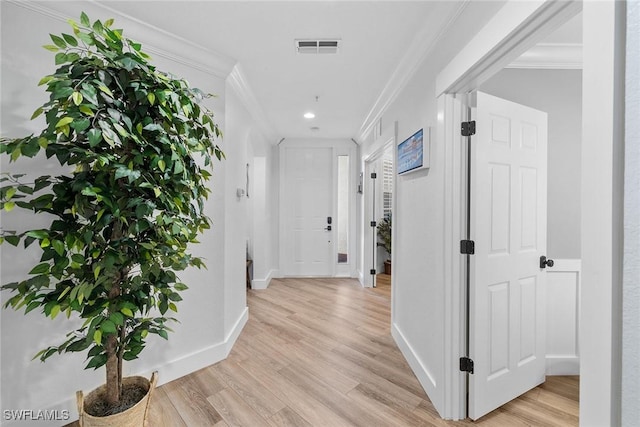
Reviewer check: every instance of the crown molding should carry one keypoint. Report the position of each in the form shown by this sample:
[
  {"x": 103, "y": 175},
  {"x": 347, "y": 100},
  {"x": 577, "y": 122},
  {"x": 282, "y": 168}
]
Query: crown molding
[
  {"x": 156, "y": 41},
  {"x": 551, "y": 56},
  {"x": 516, "y": 27},
  {"x": 405, "y": 70},
  {"x": 239, "y": 84}
]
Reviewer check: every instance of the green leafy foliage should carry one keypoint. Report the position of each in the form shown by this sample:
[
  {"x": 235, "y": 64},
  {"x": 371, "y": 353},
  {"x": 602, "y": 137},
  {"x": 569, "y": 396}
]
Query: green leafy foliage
[
  {"x": 135, "y": 139},
  {"x": 384, "y": 233}
]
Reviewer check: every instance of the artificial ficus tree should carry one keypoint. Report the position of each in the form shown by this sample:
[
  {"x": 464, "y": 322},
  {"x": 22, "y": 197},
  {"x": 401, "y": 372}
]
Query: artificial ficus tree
[
  {"x": 137, "y": 146},
  {"x": 384, "y": 234}
]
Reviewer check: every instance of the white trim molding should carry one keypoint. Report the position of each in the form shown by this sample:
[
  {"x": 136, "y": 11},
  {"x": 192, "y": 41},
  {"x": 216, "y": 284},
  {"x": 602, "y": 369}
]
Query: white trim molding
[
  {"x": 167, "y": 372},
  {"x": 238, "y": 82},
  {"x": 563, "y": 317},
  {"x": 512, "y": 31},
  {"x": 156, "y": 41},
  {"x": 405, "y": 70},
  {"x": 551, "y": 56},
  {"x": 426, "y": 379},
  {"x": 262, "y": 283}
]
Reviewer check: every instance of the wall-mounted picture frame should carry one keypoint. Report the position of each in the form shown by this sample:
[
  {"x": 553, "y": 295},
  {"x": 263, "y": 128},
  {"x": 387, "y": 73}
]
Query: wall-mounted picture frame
[{"x": 413, "y": 153}]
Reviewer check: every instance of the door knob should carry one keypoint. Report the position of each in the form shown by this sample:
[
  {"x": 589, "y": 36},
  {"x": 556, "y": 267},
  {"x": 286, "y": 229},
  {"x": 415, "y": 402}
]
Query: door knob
[
  {"x": 328, "y": 228},
  {"x": 544, "y": 262}
]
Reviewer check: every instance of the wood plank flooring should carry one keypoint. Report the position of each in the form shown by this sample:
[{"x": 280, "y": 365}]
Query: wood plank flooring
[
  {"x": 383, "y": 285},
  {"x": 318, "y": 352}
]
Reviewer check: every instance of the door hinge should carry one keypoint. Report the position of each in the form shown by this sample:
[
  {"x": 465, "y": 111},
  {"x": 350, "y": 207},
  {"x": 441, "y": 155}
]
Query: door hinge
[
  {"x": 374, "y": 175},
  {"x": 373, "y": 223},
  {"x": 466, "y": 365},
  {"x": 467, "y": 247},
  {"x": 372, "y": 271},
  {"x": 469, "y": 128}
]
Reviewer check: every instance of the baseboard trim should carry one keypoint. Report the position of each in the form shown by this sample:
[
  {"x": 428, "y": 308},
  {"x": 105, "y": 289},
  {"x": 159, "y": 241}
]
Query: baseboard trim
[
  {"x": 562, "y": 365},
  {"x": 167, "y": 372},
  {"x": 421, "y": 372},
  {"x": 262, "y": 283},
  {"x": 233, "y": 334},
  {"x": 189, "y": 363}
]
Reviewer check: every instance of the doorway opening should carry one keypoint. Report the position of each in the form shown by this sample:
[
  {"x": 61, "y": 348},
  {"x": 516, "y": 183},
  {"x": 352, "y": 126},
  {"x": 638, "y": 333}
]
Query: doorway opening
[
  {"x": 378, "y": 203},
  {"x": 502, "y": 179},
  {"x": 317, "y": 205}
]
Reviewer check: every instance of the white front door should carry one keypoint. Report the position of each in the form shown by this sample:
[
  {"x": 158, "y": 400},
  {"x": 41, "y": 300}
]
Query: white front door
[
  {"x": 508, "y": 224},
  {"x": 308, "y": 203}
]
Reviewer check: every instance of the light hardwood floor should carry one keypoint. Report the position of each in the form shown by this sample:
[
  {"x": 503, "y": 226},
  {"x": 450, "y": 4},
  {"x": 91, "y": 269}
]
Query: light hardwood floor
[
  {"x": 318, "y": 352},
  {"x": 383, "y": 285}
]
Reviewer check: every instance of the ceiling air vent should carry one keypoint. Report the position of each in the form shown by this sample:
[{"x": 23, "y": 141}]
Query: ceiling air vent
[{"x": 317, "y": 46}]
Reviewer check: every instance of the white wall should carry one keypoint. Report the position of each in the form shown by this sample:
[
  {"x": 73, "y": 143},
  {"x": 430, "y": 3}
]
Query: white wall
[
  {"x": 238, "y": 125},
  {"x": 559, "y": 94},
  {"x": 631, "y": 306},
  {"x": 417, "y": 256},
  {"x": 212, "y": 307},
  {"x": 252, "y": 147},
  {"x": 563, "y": 317},
  {"x": 418, "y": 292}
]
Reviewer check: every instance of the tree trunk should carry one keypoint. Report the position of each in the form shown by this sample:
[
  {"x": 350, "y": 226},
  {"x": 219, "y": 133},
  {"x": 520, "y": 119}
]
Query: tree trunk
[
  {"x": 114, "y": 355},
  {"x": 113, "y": 380},
  {"x": 114, "y": 373}
]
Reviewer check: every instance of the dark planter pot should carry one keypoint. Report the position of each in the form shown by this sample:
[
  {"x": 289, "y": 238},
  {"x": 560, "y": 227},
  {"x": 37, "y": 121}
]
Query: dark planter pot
[{"x": 387, "y": 267}]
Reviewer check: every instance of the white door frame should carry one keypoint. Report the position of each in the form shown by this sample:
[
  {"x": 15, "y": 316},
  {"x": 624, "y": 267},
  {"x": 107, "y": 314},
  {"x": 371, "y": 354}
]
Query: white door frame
[
  {"x": 367, "y": 279},
  {"x": 338, "y": 147},
  {"x": 348, "y": 269},
  {"x": 514, "y": 29},
  {"x": 601, "y": 181}
]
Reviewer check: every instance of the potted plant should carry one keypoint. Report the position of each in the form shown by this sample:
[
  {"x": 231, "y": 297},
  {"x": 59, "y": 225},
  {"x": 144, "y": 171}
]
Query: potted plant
[
  {"x": 384, "y": 240},
  {"x": 136, "y": 144}
]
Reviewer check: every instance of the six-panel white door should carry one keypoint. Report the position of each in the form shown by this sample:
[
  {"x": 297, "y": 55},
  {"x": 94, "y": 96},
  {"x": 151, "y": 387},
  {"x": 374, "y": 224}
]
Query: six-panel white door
[
  {"x": 308, "y": 202},
  {"x": 508, "y": 224}
]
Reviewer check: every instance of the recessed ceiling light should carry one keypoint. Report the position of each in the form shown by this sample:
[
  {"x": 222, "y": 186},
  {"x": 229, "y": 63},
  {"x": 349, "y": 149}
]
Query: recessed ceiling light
[{"x": 309, "y": 115}]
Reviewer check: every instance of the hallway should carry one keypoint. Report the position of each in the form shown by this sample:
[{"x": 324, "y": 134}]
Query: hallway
[{"x": 318, "y": 352}]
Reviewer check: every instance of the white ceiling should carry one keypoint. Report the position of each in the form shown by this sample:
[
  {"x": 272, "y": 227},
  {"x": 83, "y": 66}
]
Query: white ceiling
[
  {"x": 260, "y": 37},
  {"x": 382, "y": 43}
]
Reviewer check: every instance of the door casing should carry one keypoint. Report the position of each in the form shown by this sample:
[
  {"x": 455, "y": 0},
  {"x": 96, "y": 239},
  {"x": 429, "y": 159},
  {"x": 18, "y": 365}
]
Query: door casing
[
  {"x": 476, "y": 63},
  {"x": 338, "y": 147},
  {"x": 368, "y": 232}
]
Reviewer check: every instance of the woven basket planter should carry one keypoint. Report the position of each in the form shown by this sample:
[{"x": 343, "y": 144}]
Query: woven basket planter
[{"x": 132, "y": 417}]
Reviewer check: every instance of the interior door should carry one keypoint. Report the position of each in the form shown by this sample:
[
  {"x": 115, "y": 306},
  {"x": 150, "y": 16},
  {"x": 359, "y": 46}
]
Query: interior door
[
  {"x": 308, "y": 202},
  {"x": 508, "y": 211}
]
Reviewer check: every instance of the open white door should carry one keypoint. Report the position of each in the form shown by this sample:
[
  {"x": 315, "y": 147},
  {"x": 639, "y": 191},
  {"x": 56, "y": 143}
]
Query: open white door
[
  {"x": 308, "y": 211},
  {"x": 370, "y": 217},
  {"x": 509, "y": 226}
]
